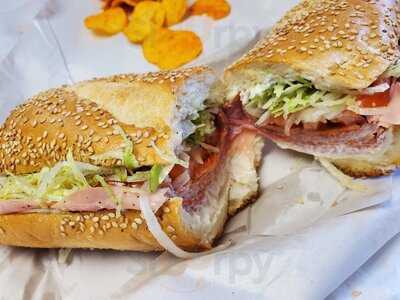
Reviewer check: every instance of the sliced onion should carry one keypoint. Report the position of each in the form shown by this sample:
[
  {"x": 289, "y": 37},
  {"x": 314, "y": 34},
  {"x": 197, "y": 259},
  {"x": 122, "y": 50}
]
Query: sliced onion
[
  {"x": 209, "y": 147},
  {"x": 376, "y": 89},
  {"x": 373, "y": 111},
  {"x": 264, "y": 117},
  {"x": 289, "y": 123},
  {"x": 163, "y": 239}
]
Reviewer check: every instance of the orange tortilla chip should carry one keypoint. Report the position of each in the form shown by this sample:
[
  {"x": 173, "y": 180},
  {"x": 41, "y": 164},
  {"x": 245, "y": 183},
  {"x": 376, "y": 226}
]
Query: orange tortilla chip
[
  {"x": 175, "y": 10},
  {"x": 106, "y": 3},
  {"x": 147, "y": 17},
  {"x": 108, "y": 22},
  {"x": 171, "y": 49},
  {"x": 216, "y": 9},
  {"x": 114, "y": 3}
]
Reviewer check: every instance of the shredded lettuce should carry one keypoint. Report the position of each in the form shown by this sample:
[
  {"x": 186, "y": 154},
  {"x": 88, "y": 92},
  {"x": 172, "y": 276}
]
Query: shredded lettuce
[
  {"x": 154, "y": 180},
  {"x": 50, "y": 183},
  {"x": 139, "y": 177},
  {"x": 170, "y": 159},
  {"x": 283, "y": 97},
  {"x": 122, "y": 174},
  {"x": 204, "y": 126},
  {"x": 129, "y": 159},
  {"x": 65, "y": 178}
]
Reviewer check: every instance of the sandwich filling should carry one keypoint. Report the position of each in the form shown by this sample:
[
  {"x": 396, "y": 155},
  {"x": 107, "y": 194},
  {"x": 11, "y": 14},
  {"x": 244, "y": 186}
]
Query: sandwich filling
[
  {"x": 73, "y": 186},
  {"x": 297, "y": 115}
]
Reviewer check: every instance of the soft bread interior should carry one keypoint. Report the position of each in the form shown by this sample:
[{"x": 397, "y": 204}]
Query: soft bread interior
[
  {"x": 235, "y": 185},
  {"x": 148, "y": 104}
]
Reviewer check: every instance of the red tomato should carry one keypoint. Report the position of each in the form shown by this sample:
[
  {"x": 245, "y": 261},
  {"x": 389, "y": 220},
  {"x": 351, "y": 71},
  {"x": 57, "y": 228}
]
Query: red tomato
[
  {"x": 208, "y": 166},
  {"x": 375, "y": 100},
  {"x": 176, "y": 171}
]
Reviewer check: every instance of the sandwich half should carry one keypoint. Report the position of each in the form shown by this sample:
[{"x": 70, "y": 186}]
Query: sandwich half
[
  {"x": 129, "y": 162},
  {"x": 324, "y": 82}
]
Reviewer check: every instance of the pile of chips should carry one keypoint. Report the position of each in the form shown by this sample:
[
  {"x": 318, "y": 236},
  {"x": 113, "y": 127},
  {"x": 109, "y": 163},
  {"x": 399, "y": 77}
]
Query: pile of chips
[{"x": 146, "y": 22}]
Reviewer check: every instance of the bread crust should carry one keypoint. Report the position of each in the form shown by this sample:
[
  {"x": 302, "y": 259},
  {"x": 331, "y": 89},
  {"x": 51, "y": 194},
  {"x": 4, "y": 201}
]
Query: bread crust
[
  {"x": 338, "y": 45},
  {"x": 100, "y": 230},
  {"x": 84, "y": 118}
]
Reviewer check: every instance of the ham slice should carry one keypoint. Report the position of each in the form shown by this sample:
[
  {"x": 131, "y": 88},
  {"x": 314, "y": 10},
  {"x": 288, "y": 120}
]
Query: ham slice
[
  {"x": 97, "y": 198},
  {"x": 17, "y": 206}
]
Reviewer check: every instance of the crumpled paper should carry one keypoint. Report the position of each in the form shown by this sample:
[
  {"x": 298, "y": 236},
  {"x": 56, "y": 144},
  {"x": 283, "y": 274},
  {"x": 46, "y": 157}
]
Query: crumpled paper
[{"x": 302, "y": 233}]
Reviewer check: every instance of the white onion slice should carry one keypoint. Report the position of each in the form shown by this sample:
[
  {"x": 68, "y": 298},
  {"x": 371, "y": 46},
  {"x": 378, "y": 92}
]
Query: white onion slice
[
  {"x": 264, "y": 117},
  {"x": 163, "y": 239},
  {"x": 376, "y": 89},
  {"x": 369, "y": 111},
  {"x": 289, "y": 123}
]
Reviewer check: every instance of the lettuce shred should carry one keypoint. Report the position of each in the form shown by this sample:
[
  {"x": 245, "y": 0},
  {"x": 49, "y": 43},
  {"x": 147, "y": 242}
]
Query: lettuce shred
[
  {"x": 67, "y": 177},
  {"x": 204, "y": 126},
  {"x": 52, "y": 184},
  {"x": 154, "y": 180},
  {"x": 282, "y": 97}
]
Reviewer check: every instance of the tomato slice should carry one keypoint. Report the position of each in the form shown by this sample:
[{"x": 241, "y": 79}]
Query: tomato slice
[
  {"x": 375, "y": 100},
  {"x": 208, "y": 166}
]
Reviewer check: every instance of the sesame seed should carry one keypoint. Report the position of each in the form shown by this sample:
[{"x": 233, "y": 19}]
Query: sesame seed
[
  {"x": 138, "y": 221},
  {"x": 123, "y": 225},
  {"x": 95, "y": 219},
  {"x": 105, "y": 218},
  {"x": 134, "y": 226}
]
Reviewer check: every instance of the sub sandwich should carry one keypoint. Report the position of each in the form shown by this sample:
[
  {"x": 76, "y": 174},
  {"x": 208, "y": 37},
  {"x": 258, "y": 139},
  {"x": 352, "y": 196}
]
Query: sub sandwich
[
  {"x": 325, "y": 81},
  {"x": 129, "y": 162}
]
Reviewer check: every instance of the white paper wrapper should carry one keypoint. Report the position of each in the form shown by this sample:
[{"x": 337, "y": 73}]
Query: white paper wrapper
[{"x": 300, "y": 234}]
